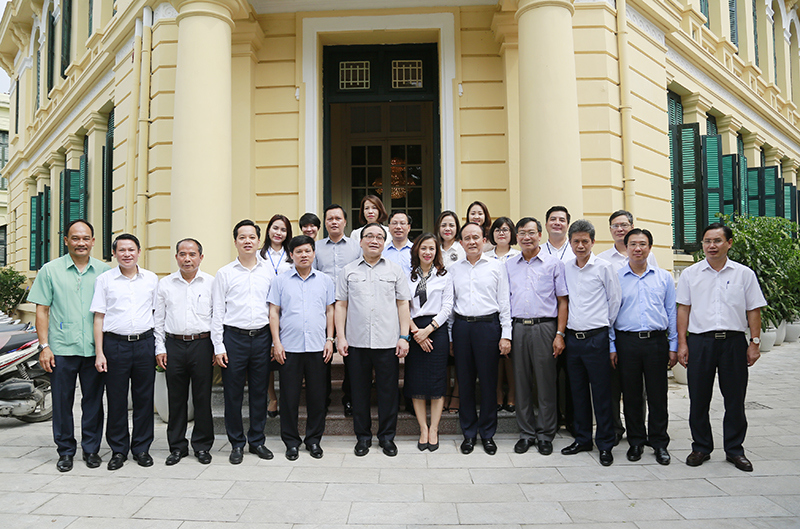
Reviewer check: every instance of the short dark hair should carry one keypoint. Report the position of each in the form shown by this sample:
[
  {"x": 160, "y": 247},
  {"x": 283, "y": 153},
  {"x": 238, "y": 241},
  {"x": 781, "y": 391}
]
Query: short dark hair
[
  {"x": 382, "y": 216},
  {"x": 300, "y": 240},
  {"x": 554, "y": 209},
  {"x": 245, "y": 222},
  {"x": 464, "y": 227},
  {"x": 309, "y": 218},
  {"x": 619, "y": 213},
  {"x": 76, "y": 221},
  {"x": 189, "y": 239},
  {"x": 497, "y": 224},
  {"x": 525, "y": 220},
  {"x": 444, "y": 214},
  {"x": 333, "y": 206},
  {"x": 371, "y": 224},
  {"x": 487, "y": 219},
  {"x": 125, "y": 237},
  {"x": 581, "y": 226},
  {"x": 400, "y": 212},
  {"x": 639, "y": 231},
  {"x": 719, "y": 226}
]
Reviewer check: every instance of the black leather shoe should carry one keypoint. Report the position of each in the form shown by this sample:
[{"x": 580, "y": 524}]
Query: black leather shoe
[
  {"x": 576, "y": 448},
  {"x": 499, "y": 408},
  {"x": 389, "y": 448},
  {"x": 635, "y": 453},
  {"x": 488, "y": 446},
  {"x": 116, "y": 461},
  {"x": 617, "y": 438},
  {"x": 203, "y": 456},
  {"x": 64, "y": 463},
  {"x": 175, "y": 457},
  {"x": 510, "y": 408},
  {"x": 315, "y": 450},
  {"x": 92, "y": 460},
  {"x": 261, "y": 451},
  {"x": 523, "y": 445},
  {"x": 237, "y": 455},
  {"x": 422, "y": 446},
  {"x": 545, "y": 447},
  {"x": 362, "y": 447},
  {"x": 662, "y": 456},
  {"x": 292, "y": 453},
  {"x": 606, "y": 458},
  {"x": 433, "y": 447},
  {"x": 695, "y": 459},
  {"x": 348, "y": 409},
  {"x": 740, "y": 462},
  {"x": 143, "y": 459},
  {"x": 273, "y": 414},
  {"x": 468, "y": 445}
]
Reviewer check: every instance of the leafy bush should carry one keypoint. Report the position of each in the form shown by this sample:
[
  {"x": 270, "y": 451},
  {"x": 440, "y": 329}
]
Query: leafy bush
[{"x": 11, "y": 291}]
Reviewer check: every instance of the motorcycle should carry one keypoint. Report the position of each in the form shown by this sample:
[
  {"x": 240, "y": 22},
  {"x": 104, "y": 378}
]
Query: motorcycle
[{"x": 25, "y": 392}]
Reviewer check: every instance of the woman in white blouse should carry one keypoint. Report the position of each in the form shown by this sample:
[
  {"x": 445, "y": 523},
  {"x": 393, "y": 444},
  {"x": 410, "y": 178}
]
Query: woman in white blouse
[
  {"x": 502, "y": 235},
  {"x": 371, "y": 210},
  {"x": 448, "y": 227},
  {"x": 426, "y": 362}
]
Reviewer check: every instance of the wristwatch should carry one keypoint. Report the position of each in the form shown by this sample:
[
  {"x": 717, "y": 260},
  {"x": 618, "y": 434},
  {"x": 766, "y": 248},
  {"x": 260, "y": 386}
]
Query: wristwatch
[
  {"x": 756, "y": 340},
  {"x": 406, "y": 337},
  {"x": 329, "y": 339},
  {"x": 42, "y": 347},
  {"x": 561, "y": 333}
]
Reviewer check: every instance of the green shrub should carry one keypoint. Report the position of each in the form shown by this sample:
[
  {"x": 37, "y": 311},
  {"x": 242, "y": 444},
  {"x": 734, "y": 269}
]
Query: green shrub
[{"x": 11, "y": 291}]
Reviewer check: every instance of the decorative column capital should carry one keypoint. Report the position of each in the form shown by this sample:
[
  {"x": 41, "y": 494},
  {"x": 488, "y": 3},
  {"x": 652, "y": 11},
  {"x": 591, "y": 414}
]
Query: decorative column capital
[
  {"x": 95, "y": 122},
  {"x": 41, "y": 173},
  {"x": 728, "y": 124},
  {"x": 225, "y": 10},
  {"x": 505, "y": 29},
  {"x": 752, "y": 140},
  {"x": 696, "y": 102},
  {"x": 529, "y": 5},
  {"x": 73, "y": 142}
]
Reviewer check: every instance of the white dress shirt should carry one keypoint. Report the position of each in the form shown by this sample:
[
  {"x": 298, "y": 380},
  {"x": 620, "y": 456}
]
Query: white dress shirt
[
  {"x": 618, "y": 260},
  {"x": 240, "y": 299},
  {"x": 276, "y": 261},
  {"x": 511, "y": 253},
  {"x": 564, "y": 253},
  {"x": 356, "y": 234},
  {"x": 453, "y": 254},
  {"x": 719, "y": 300},
  {"x": 182, "y": 307},
  {"x": 127, "y": 303},
  {"x": 482, "y": 289},
  {"x": 439, "y": 304},
  {"x": 594, "y": 295}
]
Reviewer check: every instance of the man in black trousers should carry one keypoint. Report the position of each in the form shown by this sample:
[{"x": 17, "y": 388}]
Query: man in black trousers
[{"x": 184, "y": 350}]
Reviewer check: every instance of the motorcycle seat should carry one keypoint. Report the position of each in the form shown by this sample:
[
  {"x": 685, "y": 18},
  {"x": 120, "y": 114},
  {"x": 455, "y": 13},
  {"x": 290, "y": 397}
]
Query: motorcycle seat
[{"x": 16, "y": 388}]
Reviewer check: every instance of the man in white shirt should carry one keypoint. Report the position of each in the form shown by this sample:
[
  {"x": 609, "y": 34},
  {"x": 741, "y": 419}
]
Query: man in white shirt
[
  {"x": 399, "y": 248},
  {"x": 557, "y": 223},
  {"x": 718, "y": 300},
  {"x": 185, "y": 351},
  {"x": 481, "y": 332},
  {"x": 594, "y": 300},
  {"x": 242, "y": 341},
  {"x": 123, "y": 303}
]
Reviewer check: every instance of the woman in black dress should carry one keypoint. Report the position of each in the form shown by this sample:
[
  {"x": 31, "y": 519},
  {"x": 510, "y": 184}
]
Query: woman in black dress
[{"x": 426, "y": 363}]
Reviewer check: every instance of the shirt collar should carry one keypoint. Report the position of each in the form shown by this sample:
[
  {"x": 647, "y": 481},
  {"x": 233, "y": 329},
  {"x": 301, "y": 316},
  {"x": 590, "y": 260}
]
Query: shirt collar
[
  {"x": 590, "y": 262},
  {"x": 259, "y": 263},
  {"x": 179, "y": 277},
  {"x": 627, "y": 270},
  {"x": 116, "y": 273},
  {"x": 362, "y": 260},
  {"x": 70, "y": 263},
  {"x": 344, "y": 239},
  {"x": 519, "y": 258},
  {"x": 706, "y": 266},
  {"x": 392, "y": 246},
  {"x": 294, "y": 272}
]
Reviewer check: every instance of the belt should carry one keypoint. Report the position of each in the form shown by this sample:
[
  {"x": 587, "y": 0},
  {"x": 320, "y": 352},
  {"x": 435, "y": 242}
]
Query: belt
[
  {"x": 130, "y": 337},
  {"x": 472, "y": 319},
  {"x": 188, "y": 337},
  {"x": 644, "y": 335},
  {"x": 247, "y": 332},
  {"x": 582, "y": 335},
  {"x": 721, "y": 335},
  {"x": 532, "y": 321}
]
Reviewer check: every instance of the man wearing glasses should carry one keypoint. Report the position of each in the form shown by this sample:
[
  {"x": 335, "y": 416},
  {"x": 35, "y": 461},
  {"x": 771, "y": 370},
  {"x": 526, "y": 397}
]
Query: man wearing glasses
[
  {"x": 399, "y": 248},
  {"x": 718, "y": 300},
  {"x": 372, "y": 324}
]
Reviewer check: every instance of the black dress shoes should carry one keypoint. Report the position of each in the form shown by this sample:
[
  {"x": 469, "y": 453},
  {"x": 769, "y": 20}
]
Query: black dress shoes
[
  {"x": 389, "y": 448},
  {"x": 203, "y": 456},
  {"x": 237, "y": 455},
  {"x": 662, "y": 456},
  {"x": 489, "y": 446},
  {"x": 64, "y": 463},
  {"x": 740, "y": 462},
  {"x": 634, "y": 453},
  {"x": 261, "y": 451},
  {"x": 422, "y": 446},
  {"x": 695, "y": 459},
  {"x": 606, "y": 458},
  {"x": 510, "y": 408},
  {"x": 362, "y": 447},
  {"x": 523, "y": 445},
  {"x": 143, "y": 459},
  {"x": 348, "y": 409},
  {"x": 175, "y": 457},
  {"x": 617, "y": 438},
  {"x": 545, "y": 447},
  {"x": 116, "y": 461},
  {"x": 576, "y": 448},
  {"x": 468, "y": 445},
  {"x": 315, "y": 450},
  {"x": 292, "y": 453},
  {"x": 433, "y": 447},
  {"x": 92, "y": 460},
  {"x": 273, "y": 414}
]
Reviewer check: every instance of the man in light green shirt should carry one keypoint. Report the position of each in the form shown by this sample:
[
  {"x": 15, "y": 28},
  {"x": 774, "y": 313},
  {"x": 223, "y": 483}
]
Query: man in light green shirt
[{"x": 63, "y": 292}]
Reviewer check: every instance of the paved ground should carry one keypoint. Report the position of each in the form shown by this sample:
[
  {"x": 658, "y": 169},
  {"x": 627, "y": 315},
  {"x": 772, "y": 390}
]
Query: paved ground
[{"x": 429, "y": 489}]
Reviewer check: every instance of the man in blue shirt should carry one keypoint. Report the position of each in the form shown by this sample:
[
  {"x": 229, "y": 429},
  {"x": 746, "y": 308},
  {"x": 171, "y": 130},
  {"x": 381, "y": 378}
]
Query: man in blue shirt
[
  {"x": 301, "y": 303},
  {"x": 645, "y": 342},
  {"x": 398, "y": 249}
]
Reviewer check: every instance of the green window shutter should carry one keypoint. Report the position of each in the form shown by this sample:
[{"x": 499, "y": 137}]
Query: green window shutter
[
  {"x": 772, "y": 196},
  {"x": 63, "y": 209},
  {"x": 16, "y": 107},
  {"x": 51, "y": 51},
  {"x": 730, "y": 172},
  {"x": 711, "y": 125},
  {"x": 704, "y": 10},
  {"x": 45, "y": 202},
  {"x": 674, "y": 108},
  {"x": 755, "y": 186},
  {"x": 755, "y": 4},
  {"x": 744, "y": 188},
  {"x": 35, "y": 234},
  {"x": 790, "y": 202},
  {"x": 675, "y": 118},
  {"x": 108, "y": 186},
  {"x": 38, "y": 75},
  {"x": 91, "y": 16},
  {"x": 713, "y": 186},
  {"x": 774, "y": 52},
  {"x": 66, "y": 35},
  {"x": 734, "y": 25},
  {"x": 691, "y": 186}
]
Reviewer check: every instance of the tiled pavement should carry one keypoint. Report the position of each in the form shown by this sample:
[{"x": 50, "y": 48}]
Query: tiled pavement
[{"x": 429, "y": 489}]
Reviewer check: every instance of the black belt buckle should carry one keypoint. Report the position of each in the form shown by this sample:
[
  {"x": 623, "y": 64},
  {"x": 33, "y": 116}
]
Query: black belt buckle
[
  {"x": 720, "y": 335},
  {"x": 253, "y": 332},
  {"x": 133, "y": 337},
  {"x": 470, "y": 319},
  {"x": 580, "y": 335},
  {"x": 529, "y": 321},
  {"x": 644, "y": 335}
]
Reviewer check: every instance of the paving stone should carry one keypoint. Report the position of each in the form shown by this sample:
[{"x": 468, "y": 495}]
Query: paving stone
[
  {"x": 311, "y": 512},
  {"x": 221, "y": 510},
  {"x": 726, "y": 507},
  {"x": 425, "y": 475},
  {"x": 181, "y": 488},
  {"x": 493, "y": 493},
  {"x": 23, "y": 502},
  {"x": 517, "y": 475},
  {"x": 766, "y": 486},
  {"x": 572, "y": 492},
  {"x": 344, "y": 492},
  {"x": 247, "y": 490},
  {"x": 668, "y": 488},
  {"x": 406, "y": 513},
  {"x": 91, "y": 505},
  {"x": 619, "y": 510},
  {"x": 512, "y": 513}
]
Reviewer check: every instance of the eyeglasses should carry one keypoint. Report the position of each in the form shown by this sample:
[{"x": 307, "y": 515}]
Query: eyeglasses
[
  {"x": 638, "y": 244},
  {"x": 526, "y": 234},
  {"x": 373, "y": 237},
  {"x": 713, "y": 241},
  {"x": 620, "y": 226},
  {"x": 505, "y": 231},
  {"x": 398, "y": 223}
]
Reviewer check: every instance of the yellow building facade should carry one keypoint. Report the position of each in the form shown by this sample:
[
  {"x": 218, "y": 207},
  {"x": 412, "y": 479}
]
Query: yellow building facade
[{"x": 177, "y": 119}]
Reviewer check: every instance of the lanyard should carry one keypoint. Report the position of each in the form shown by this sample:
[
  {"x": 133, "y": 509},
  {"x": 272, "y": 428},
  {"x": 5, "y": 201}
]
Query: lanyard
[
  {"x": 274, "y": 266},
  {"x": 560, "y": 257}
]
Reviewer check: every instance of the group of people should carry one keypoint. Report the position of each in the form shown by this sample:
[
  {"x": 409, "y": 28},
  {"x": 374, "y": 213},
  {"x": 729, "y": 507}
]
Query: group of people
[{"x": 509, "y": 321}]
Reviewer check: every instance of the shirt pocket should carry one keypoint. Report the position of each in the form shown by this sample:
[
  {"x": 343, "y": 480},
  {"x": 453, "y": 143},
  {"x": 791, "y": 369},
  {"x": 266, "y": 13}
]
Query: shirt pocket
[
  {"x": 543, "y": 285},
  {"x": 357, "y": 285},
  {"x": 385, "y": 286},
  {"x": 66, "y": 334},
  {"x": 202, "y": 306},
  {"x": 734, "y": 294},
  {"x": 656, "y": 293}
]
